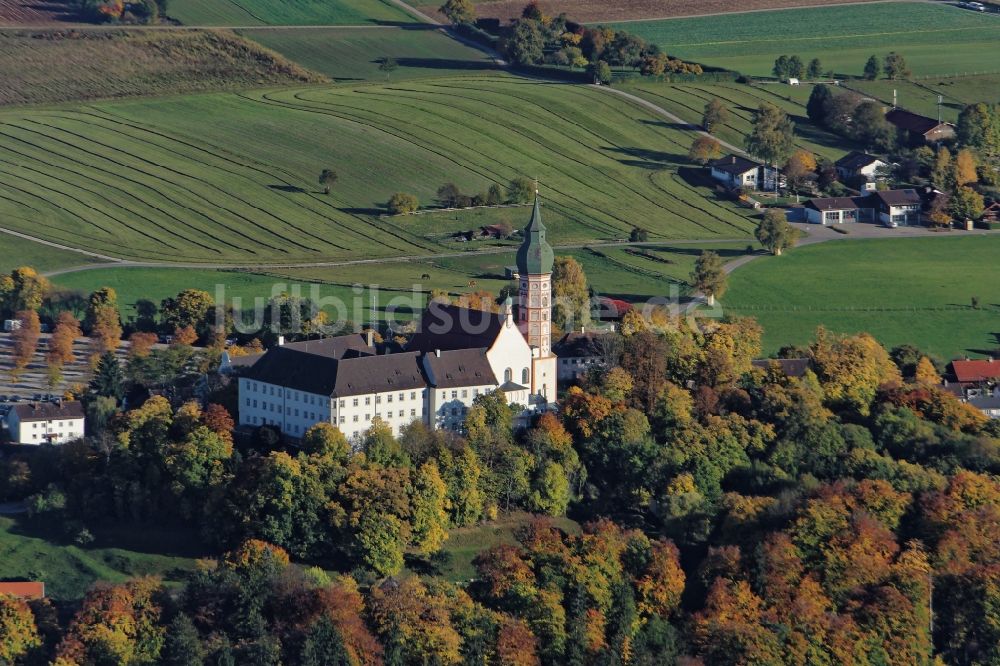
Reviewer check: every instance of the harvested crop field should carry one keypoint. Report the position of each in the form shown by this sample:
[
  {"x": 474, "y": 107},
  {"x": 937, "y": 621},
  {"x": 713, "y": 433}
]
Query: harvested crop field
[
  {"x": 36, "y": 12},
  {"x": 597, "y": 11},
  {"x": 57, "y": 66}
]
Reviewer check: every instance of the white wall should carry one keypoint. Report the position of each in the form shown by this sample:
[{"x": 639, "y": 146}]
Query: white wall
[{"x": 34, "y": 432}]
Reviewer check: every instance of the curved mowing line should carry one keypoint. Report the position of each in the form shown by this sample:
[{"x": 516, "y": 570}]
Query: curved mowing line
[
  {"x": 92, "y": 192},
  {"x": 20, "y": 203},
  {"x": 340, "y": 225},
  {"x": 221, "y": 154},
  {"x": 677, "y": 180},
  {"x": 517, "y": 149},
  {"x": 93, "y": 167},
  {"x": 211, "y": 185},
  {"x": 413, "y": 139},
  {"x": 511, "y": 147},
  {"x": 142, "y": 160}
]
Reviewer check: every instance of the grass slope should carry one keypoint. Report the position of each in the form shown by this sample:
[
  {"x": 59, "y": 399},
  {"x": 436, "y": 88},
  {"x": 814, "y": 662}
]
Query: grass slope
[
  {"x": 935, "y": 39},
  {"x": 287, "y": 12},
  {"x": 230, "y": 177},
  {"x": 351, "y": 54},
  {"x": 921, "y": 96},
  {"x": 905, "y": 290},
  {"x": 15, "y": 252},
  {"x": 56, "y": 66},
  {"x": 69, "y": 570},
  {"x": 688, "y": 102}
]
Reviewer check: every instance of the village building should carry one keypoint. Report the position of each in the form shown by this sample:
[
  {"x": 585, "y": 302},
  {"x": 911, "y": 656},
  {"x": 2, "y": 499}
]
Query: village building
[
  {"x": 859, "y": 169},
  {"x": 917, "y": 130},
  {"x": 890, "y": 207},
  {"x": 45, "y": 422},
  {"x": 456, "y": 355},
  {"x": 735, "y": 172},
  {"x": 578, "y": 352},
  {"x": 27, "y": 590}
]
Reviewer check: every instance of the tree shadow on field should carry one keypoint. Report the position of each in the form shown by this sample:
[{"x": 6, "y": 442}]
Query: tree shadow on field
[
  {"x": 290, "y": 189},
  {"x": 362, "y": 211},
  {"x": 444, "y": 63},
  {"x": 676, "y": 126},
  {"x": 646, "y": 158}
]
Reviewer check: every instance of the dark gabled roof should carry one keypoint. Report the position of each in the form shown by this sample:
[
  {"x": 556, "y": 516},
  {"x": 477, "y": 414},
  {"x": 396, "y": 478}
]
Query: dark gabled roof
[
  {"x": 912, "y": 122},
  {"x": 734, "y": 164},
  {"x": 378, "y": 374},
  {"x": 48, "y": 411},
  {"x": 448, "y": 327},
  {"x": 792, "y": 367},
  {"x": 899, "y": 197},
  {"x": 577, "y": 345},
  {"x": 335, "y": 347},
  {"x": 855, "y": 160},
  {"x": 510, "y": 387},
  {"x": 461, "y": 367},
  {"x": 834, "y": 203},
  {"x": 986, "y": 402},
  {"x": 324, "y": 375}
]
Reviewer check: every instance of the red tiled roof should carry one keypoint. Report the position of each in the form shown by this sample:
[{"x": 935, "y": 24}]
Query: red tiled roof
[
  {"x": 977, "y": 370},
  {"x": 26, "y": 590}
]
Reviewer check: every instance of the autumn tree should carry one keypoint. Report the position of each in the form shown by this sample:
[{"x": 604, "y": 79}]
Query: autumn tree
[
  {"x": 942, "y": 170},
  {"x": 459, "y": 12},
  {"x": 18, "y": 631},
  {"x": 709, "y": 277},
  {"x": 570, "y": 294},
  {"x": 25, "y": 338},
  {"x": 771, "y": 137},
  {"x": 190, "y": 307},
  {"x": 140, "y": 344},
  {"x": 852, "y": 368},
  {"x": 715, "y": 115},
  {"x": 525, "y": 44},
  {"x": 775, "y": 233},
  {"x": 967, "y": 204},
  {"x": 402, "y": 203},
  {"x": 964, "y": 168},
  {"x": 328, "y": 177},
  {"x": 23, "y": 289},
  {"x": 895, "y": 67},
  {"x": 704, "y": 149},
  {"x": 800, "y": 165},
  {"x": 520, "y": 190}
]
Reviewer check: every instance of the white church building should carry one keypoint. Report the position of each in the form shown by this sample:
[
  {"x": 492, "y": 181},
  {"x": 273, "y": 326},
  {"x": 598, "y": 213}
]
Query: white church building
[{"x": 456, "y": 355}]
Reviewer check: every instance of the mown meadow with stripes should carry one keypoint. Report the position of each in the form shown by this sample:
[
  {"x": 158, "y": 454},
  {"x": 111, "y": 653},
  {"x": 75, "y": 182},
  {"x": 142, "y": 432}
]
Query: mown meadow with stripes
[{"x": 231, "y": 178}]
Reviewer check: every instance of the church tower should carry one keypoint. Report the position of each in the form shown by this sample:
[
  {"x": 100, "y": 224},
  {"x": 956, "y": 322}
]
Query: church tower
[{"x": 534, "y": 312}]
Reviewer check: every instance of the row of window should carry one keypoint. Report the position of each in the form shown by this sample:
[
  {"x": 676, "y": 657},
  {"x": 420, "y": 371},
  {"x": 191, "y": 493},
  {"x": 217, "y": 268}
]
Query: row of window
[{"x": 388, "y": 398}]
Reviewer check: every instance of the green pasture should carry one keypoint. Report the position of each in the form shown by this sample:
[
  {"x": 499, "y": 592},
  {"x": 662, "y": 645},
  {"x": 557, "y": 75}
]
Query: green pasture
[
  {"x": 36, "y": 552},
  {"x": 15, "y": 252},
  {"x": 231, "y": 178},
  {"x": 935, "y": 38},
  {"x": 688, "y": 102},
  {"x": 921, "y": 96},
  {"x": 287, "y": 12},
  {"x": 352, "y": 54},
  {"x": 902, "y": 290}
]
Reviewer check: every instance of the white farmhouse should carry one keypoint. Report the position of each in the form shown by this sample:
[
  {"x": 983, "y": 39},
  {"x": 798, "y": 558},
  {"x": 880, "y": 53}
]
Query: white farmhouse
[{"x": 45, "y": 422}]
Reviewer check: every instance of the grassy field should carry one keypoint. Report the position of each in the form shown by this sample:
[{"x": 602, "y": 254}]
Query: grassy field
[
  {"x": 688, "y": 102},
  {"x": 15, "y": 252},
  {"x": 351, "y": 54},
  {"x": 56, "y": 66},
  {"x": 69, "y": 570},
  {"x": 287, "y": 12},
  {"x": 594, "y": 11},
  {"x": 921, "y": 96},
  {"x": 935, "y": 39},
  {"x": 465, "y": 543},
  {"x": 231, "y": 177},
  {"x": 906, "y": 290}
]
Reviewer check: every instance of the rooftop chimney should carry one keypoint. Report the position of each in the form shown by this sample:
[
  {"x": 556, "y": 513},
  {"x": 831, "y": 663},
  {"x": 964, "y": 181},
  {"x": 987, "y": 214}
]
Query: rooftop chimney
[
  {"x": 281, "y": 341},
  {"x": 369, "y": 338},
  {"x": 437, "y": 352},
  {"x": 734, "y": 159}
]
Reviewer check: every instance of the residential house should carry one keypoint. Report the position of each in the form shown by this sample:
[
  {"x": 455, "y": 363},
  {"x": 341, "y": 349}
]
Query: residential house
[
  {"x": 860, "y": 169},
  {"x": 898, "y": 207},
  {"x": 916, "y": 130},
  {"x": 891, "y": 208},
  {"x": 790, "y": 367},
  {"x": 735, "y": 171},
  {"x": 46, "y": 422},
  {"x": 578, "y": 352},
  {"x": 456, "y": 355}
]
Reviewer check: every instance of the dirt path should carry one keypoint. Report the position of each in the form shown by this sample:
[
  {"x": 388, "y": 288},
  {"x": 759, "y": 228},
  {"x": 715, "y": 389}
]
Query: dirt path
[{"x": 659, "y": 110}]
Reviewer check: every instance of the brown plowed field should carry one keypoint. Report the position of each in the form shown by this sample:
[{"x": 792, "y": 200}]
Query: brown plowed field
[
  {"x": 36, "y": 12},
  {"x": 593, "y": 11}
]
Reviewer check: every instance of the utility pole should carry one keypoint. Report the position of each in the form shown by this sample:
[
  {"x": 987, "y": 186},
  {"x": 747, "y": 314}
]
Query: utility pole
[{"x": 940, "y": 99}]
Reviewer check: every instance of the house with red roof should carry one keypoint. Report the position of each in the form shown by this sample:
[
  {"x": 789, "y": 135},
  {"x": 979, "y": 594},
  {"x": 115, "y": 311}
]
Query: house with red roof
[{"x": 23, "y": 590}]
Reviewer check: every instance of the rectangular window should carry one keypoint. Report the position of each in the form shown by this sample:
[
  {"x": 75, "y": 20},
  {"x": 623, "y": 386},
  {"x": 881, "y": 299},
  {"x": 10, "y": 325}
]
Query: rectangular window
[
  {"x": 413, "y": 412},
  {"x": 368, "y": 400},
  {"x": 413, "y": 395},
  {"x": 401, "y": 413},
  {"x": 343, "y": 404},
  {"x": 255, "y": 404},
  {"x": 368, "y": 417},
  {"x": 454, "y": 395},
  {"x": 248, "y": 402},
  {"x": 402, "y": 397},
  {"x": 355, "y": 402},
  {"x": 388, "y": 398},
  {"x": 355, "y": 418},
  {"x": 296, "y": 412},
  {"x": 342, "y": 419}
]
